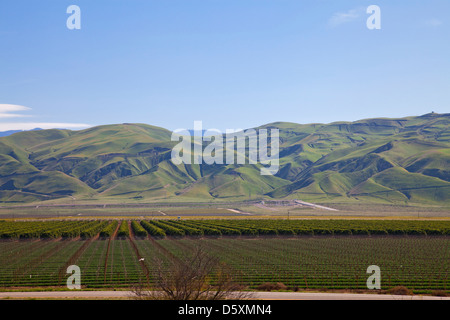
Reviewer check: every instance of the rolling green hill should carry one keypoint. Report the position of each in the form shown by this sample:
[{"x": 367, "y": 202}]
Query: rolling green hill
[{"x": 400, "y": 161}]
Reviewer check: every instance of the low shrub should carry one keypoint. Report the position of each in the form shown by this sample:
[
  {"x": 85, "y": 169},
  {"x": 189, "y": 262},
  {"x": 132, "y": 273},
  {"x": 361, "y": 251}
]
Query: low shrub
[
  {"x": 138, "y": 230},
  {"x": 269, "y": 286},
  {"x": 152, "y": 229},
  {"x": 168, "y": 229},
  {"x": 123, "y": 229},
  {"x": 440, "y": 293},
  {"x": 109, "y": 229},
  {"x": 400, "y": 290}
]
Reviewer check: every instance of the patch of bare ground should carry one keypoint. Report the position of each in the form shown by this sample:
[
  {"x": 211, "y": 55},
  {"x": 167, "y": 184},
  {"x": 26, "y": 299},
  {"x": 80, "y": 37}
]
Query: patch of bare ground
[
  {"x": 113, "y": 236},
  {"x": 75, "y": 256}
]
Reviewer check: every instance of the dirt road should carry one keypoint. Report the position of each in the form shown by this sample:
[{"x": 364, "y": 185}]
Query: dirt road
[{"x": 104, "y": 295}]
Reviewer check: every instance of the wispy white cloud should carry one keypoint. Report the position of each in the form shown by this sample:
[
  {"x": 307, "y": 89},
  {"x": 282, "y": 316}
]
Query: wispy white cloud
[
  {"x": 340, "y": 18},
  {"x": 42, "y": 125},
  {"x": 433, "y": 22},
  {"x": 6, "y": 109},
  {"x": 9, "y": 111}
]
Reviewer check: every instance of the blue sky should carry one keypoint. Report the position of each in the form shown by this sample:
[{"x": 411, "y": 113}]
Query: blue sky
[{"x": 230, "y": 63}]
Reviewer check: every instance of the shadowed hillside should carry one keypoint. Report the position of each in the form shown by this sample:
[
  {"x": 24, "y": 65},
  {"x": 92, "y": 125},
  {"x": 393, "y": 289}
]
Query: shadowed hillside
[{"x": 404, "y": 161}]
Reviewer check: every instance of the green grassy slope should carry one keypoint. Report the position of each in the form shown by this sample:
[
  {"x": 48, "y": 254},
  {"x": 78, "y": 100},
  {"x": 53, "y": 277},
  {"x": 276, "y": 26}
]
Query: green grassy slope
[{"x": 373, "y": 160}]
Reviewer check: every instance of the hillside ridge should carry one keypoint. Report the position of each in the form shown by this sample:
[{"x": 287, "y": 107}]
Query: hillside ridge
[{"x": 383, "y": 160}]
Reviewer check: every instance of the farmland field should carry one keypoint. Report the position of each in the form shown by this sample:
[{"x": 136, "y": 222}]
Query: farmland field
[{"x": 312, "y": 254}]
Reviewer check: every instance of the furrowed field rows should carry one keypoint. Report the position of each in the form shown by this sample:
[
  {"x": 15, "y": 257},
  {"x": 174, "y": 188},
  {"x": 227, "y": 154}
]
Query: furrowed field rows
[
  {"x": 50, "y": 229},
  {"x": 221, "y": 227},
  {"x": 125, "y": 255},
  {"x": 39, "y": 263},
  {"x": 92, "y": 262},
  {"x": 123, "y": 267},
  {"x": 419, "y": 263},
  {"x": 332, "y": 262}
]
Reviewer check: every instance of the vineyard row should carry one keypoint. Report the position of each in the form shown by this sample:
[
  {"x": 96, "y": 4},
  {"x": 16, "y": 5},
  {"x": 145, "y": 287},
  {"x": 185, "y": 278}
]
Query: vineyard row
[{"x": 221, "y": 227}]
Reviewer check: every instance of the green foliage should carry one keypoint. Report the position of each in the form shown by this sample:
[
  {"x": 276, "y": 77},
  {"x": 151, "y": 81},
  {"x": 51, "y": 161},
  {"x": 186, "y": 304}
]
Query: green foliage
[
  {"x": 323, "y": 227},
  {"x": 123, "y": 231},
  {"x": 152, "y": 229},
  {"x": 108, "y": 230},
  {"x": 211, "y": 230},
  {"x": 188, "y": 230},
  {"x": 93, "y": 229},
  {"x": 168, "y": 228},
  {"x": 50, "y": 229},
  {"x": 138, "y": 230},
  {"x": 222, "y": 227}
]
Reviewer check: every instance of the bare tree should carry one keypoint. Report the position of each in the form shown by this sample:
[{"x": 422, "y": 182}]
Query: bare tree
[{"x": 195, "y": 276}]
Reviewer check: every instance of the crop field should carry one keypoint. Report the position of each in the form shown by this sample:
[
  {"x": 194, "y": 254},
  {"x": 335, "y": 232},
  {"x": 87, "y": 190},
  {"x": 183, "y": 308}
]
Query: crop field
[
  {"x": 86, "y": 229},
  {"x": 301, "y": 254},
  {"x": 324, "y": 262}
]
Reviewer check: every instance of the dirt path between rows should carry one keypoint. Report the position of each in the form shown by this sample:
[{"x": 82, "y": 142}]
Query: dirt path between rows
[
  {"x": 138, "y": 254},
  {"x": 113, "y": 236},
  {"x": 75, "y": 256},
  {"x": 37, "y": 261},
  {"x": 163, "y": 250}
]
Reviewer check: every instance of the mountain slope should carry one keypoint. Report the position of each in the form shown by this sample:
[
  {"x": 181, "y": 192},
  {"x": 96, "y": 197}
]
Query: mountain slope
[
  {"x": 403, "y": 160},
  {"x": 360, "y": 152}
]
